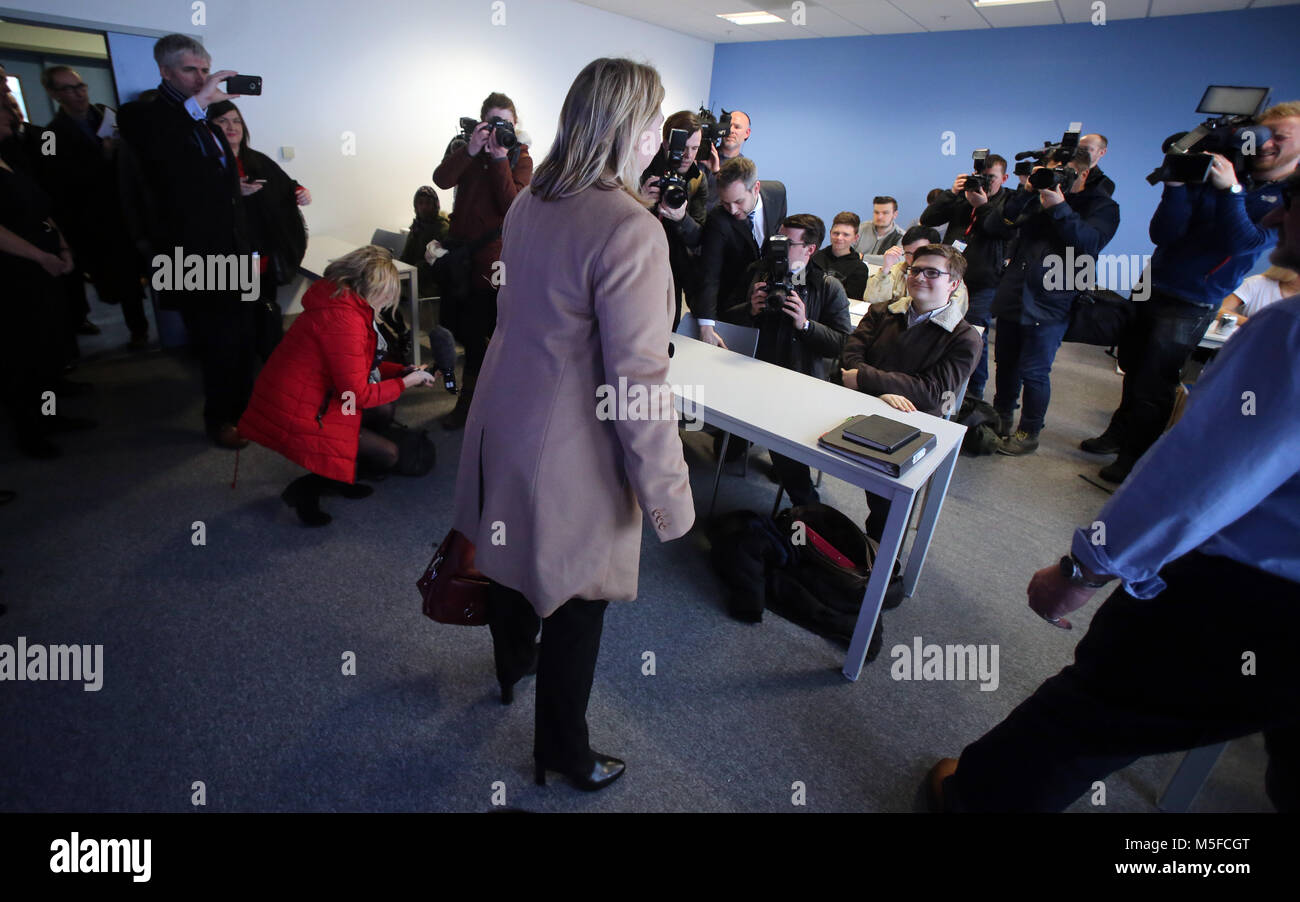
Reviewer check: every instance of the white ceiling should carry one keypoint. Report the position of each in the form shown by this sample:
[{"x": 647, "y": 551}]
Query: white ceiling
[{"x": 850, "y": 18}]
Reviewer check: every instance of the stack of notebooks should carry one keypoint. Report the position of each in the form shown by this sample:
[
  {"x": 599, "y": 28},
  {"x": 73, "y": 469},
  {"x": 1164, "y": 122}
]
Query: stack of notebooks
[{"x": 879, "y": 442}]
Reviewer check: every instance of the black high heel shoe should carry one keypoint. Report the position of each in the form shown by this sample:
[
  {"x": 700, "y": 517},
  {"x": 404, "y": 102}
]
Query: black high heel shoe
[
  {"x": 306, "y": 502},
  {"x": 604, "y": 771}
]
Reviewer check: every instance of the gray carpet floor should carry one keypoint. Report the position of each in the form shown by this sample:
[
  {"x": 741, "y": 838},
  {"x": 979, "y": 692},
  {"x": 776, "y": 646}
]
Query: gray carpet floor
[{"x": 223, "y": 662}]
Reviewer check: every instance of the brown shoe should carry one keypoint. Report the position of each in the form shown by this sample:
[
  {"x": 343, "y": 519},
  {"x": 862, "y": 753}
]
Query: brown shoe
[
  {"x": 228, "y": 437},
  {"x": 942, "y": 770}
]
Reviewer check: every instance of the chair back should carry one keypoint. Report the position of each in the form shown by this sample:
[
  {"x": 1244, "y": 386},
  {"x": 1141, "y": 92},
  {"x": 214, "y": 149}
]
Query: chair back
[
  {"x": 393, "y": 241},
  {"x": 741, "y": 339}
]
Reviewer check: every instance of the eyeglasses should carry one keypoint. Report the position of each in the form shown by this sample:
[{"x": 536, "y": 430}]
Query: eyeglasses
[
  {"x": 928, "y": 272},
  {"x": 80, "y": 86}
]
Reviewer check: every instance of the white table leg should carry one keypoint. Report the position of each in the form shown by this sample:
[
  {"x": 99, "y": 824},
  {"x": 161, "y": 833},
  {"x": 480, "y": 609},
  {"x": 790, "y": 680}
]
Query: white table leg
[
  {"x": 900, "y": 511},
  {"x": 413, "y": 287},
  {"x": 939, "y": 480}
]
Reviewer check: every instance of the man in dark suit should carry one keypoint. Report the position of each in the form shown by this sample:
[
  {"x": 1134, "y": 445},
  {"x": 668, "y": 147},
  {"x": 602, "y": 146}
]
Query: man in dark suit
[
  {"x": 81, "y": 179},
  {"x": 194, "y": 184},
  {"x": 748, "y": 213}
]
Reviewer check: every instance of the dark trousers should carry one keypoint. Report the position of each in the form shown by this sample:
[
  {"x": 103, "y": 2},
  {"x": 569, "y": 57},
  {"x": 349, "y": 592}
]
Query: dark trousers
[
  {"x": 1152, "y": 353},
  {"x": 478, "y": 321},
  {"x": 30, "y": 361},
  {"x": 224, "y": 334},
  {"x": 978, "y": 315},
  {"x": 1024, "y": 357},
  {"x": 794, "y": 477},
  {"x": 1150, "y": 677},
  {"x": 566, "y": 667}
]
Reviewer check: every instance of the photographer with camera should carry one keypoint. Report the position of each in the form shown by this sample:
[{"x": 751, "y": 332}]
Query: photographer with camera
[
  {"x": 972, "y": 214},
  {"x": 802, "y": 316},
  {"x": 488, "y": 164},
  {"x": 676, "y": 186},
  {"x": 1065, "y": 211},
  {"x": 748, "y": 213},
  {"x": 1208, "y": 236}
]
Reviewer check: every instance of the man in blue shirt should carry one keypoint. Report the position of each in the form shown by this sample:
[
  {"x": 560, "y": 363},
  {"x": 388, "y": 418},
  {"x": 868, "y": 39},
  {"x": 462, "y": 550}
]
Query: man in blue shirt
[
  {"x": 1208, "y": 237},
  {"x": 1197, "y": 644}
]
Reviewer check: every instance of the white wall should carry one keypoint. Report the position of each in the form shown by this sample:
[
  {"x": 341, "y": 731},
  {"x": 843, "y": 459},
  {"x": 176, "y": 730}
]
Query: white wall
[{"x": 398, "y": 74}]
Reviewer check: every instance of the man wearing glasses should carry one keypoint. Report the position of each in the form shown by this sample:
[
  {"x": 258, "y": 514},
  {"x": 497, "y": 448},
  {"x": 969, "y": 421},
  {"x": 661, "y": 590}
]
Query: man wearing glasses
[
  {"x": 810, "y": 325},
  {"x": 81, "y": 179},
  {"x": 916, "y": 352}
]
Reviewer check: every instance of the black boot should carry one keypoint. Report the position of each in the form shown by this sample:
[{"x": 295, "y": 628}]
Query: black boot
[{"x": 303, "y": 495}]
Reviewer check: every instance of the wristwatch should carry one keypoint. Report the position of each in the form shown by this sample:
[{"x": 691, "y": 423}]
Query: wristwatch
[
  {"x": 1234, "y": 188},
  {"x": 807, "y": 324},
  {"x": 1073, "y": 573}
]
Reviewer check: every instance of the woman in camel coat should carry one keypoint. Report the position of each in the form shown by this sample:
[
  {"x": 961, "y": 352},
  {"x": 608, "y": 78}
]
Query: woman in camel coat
[{"x": 551, "y": 489}]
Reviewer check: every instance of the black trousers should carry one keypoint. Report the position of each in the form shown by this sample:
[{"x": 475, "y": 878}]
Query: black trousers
[
  {"x": 795, "y": 478},
  {"x": 1152, "y": 353},
  {"x": 224, "y": 334},
  {"x": 566, "y": 666},
  {"x": 477, "y": 321},
  {"x": 1154, "y": 676}
]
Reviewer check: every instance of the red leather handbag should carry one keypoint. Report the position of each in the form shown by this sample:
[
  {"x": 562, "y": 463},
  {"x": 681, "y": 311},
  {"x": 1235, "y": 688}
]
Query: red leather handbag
[{"x": 453, "y": 591}]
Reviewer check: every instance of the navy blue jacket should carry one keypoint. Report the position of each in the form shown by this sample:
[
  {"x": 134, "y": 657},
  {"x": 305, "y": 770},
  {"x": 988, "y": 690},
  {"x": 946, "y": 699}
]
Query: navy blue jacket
[
  {"x": 1085, "y": 222},
  {"x": 1207, "y": 239}
]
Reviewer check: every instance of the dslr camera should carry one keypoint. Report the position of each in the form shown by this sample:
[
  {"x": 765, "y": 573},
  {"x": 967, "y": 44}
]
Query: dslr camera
[
  {"x": 1061, "y": 153},
  {"x": 715, "y": 129},
  {"x": 979, "y": 180},
  {"x": 775, "y": 271},
  {"x": 672, "y": 187},
  {"x": 505, "y": 131},
  {"x": 1230, "y": 132}
]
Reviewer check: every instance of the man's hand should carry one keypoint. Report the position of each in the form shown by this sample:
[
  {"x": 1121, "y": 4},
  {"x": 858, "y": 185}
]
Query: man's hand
[
  {"x": 672, "y": 214},
  {"x": 893, "y": 255},
  {"x": 1222, "y": 175},
  {"x": 478, "y": 139},
  {"x": 957, "y": 183},
  {"x": 1050, "y": 197},
  {"x": 650, "y": 190},
  {"x": 55, "y": 264},
  {"x": 795, "y": 309},
  {"x": 714, "y": 162},
  {"x": 898, "y": 402},
  {"x": 1052, "y": 596},
  {"x": 757, "y": 298},
  {"x": 710, "y": 336},
  {"x": 976, "y": 199},
  {"x": 849, "y": 379},
  {"x": 211, "y": 93}
]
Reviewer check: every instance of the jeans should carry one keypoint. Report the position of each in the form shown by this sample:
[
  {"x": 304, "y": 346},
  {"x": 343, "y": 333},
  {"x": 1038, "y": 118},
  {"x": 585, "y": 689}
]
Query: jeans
[
  {"x": 1025, "y": 352},
  {"x": 1152, "y": 353},
  {"x": 978, "y": 315}
]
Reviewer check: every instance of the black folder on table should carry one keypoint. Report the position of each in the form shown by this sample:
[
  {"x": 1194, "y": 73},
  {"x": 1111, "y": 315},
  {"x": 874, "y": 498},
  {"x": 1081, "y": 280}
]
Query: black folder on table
[
  {"x": 880, "y": 433},
  {"x": 894, "y": 464}
]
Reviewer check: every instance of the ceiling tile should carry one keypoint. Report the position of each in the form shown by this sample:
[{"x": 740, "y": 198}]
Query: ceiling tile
[{"x": 1081, "y": 10}]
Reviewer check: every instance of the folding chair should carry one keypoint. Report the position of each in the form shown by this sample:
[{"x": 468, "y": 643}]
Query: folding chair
[
  {"x": 742, "y": 340},
  {"x": 393, "y": 241}
]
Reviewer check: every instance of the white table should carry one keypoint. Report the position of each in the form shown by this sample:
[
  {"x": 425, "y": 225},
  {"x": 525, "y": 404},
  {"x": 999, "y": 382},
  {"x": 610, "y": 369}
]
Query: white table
[
  {"x": 786, "y": 412},
  {"x": 324, "y": 249}
]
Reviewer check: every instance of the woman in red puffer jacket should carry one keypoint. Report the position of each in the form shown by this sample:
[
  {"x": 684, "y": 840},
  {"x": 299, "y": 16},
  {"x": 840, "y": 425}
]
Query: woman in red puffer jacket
[{"x": 324, "y": 393}]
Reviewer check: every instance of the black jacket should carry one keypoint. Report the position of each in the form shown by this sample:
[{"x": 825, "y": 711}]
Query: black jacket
[
  {"x": 983, "y": 231},
  {"x": 1085, "y": 223},
  {"x": 194, "y": 195},
  {"x": 727, "y": 249},
  {"x": 275, "y": 225},
  {"x": 849, "y": 269},
  {"x": 827, "y": 309}
]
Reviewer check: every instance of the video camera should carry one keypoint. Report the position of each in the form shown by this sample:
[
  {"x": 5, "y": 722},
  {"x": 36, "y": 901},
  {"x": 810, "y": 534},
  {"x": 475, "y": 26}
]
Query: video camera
[
  {"x": 715, "y": 130},
  {"x": 1232, "y": 133},
  {"x": 775, "y": 271},
  {"x": 1060, "y": 153},
  {"x": 672, "y": 187},
  {"x": 504, "y": 130},
  {"x": 979, "y": 180}
]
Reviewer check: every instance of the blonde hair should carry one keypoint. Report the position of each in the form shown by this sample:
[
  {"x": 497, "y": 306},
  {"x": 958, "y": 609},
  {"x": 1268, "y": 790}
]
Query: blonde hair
[
  {"x": 609, "y": 106},
  {"x": 369, "y": 272},
  {"x": 1288, "y": 110}
]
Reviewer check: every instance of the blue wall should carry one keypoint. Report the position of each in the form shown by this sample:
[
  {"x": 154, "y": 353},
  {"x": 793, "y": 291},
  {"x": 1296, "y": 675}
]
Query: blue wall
[{"x": 840, "y": 120}]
